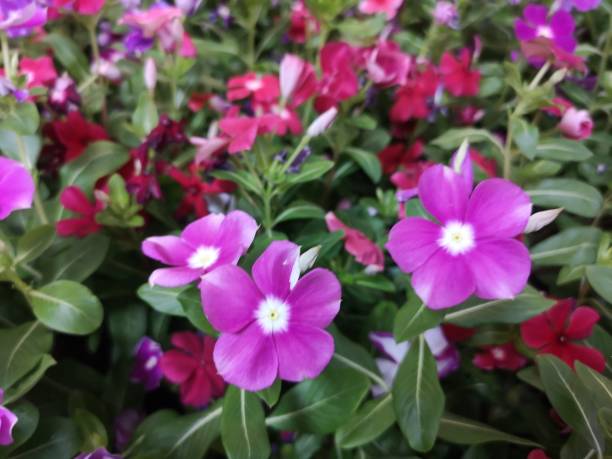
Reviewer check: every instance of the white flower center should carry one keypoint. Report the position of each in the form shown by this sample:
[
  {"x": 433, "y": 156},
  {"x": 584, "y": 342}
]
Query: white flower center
[
  {"x": 457, "y": 238},
  {"x": 204, "y": 257},
  {"x": 253, "y": 85},
  {"x": 498, "y": 353},
  {"x": 151, "y": 363},
  {"x": 544, "y": 31},
  {"x": 272, "y": 315}
]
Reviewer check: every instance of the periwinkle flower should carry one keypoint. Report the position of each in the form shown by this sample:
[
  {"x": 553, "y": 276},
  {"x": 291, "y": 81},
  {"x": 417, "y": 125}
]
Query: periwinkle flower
[
  {"x": 147, "y": 370},
  {"x": 8, "y": 419},
  {"x": 536, "y": 23},
  {"x": 16, "y": 187}
]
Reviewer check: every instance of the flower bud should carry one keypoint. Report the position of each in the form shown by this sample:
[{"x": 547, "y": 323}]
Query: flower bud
[
  {"x": 291, "y": 68},
  {"x": 576, "y": 124},
  {"x": 322, "y": 123},
  {"x": 540, "y": 219},
  {"x": 150, "y": 74}
]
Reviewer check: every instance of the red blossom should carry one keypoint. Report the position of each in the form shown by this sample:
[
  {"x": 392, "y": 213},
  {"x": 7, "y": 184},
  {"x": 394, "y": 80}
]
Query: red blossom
[
  {"x": 556, "y": 331},
  {"x": 457, "y": 76},
  {"x": 412, "y": 99},
  {"x": 73, "y": 199},
  {"x": 397, "y": 154},
  {"x": 75, "y": 134},
  {"x": 504, "y": 356},
  {"x": 262, "y": 88},
  {"x": 339, "y": 80},
  {"x": 302, "y": 23}
]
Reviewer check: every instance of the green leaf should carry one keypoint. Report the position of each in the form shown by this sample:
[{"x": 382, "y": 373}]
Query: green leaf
[
  {"x": 368, "y": 162},
  {"x": 165, "y": 434},
  {"x": 98, "y": 160},
  {"x": 323, "y": 404},
  {"x": 453, "y": 138},
  {"x": 574, "y": 196},
  {"x": 312, "y": 170},
  {"x": 597, "y": 385},
  {"x": 145, "y": 117},
  {"x": 571, "y": 247},
  {"x": 359, "y": 31},
  {"x": 15, "y": 146},
  {"x": 570, "y": 400},
  {"x": 54, "y": 438},
  {"x": 526, "y": 136},
  {"x": 69, "y": 54},
  {"x": 300, "y": 210},
  {"x": 23, "y": 119},
  {"x": 371, "y": 281},
  {"x": 414, "y": 318},
  {"x": 418, "y": 399},
  {"x": 271, "y": 394},
  {"x": 27, "y": 421},
  {"x": 162, "y": 299},
  {"x": 243, "y": 426},
  {"x": 367, "y": 424},
  {"x": 67, "y": 307},
  {"x": 25, "y": 384},
  {"x": 91, "y": 430},
  {"x": 563, "y": 150},
  {"x": 21, "y": 349},
  {"x": 477, "y": 312},
  {"x": 456, "y": 429},
  {"x": 191, "y": 304},
  {"x": 600, "y": 278},
  {"x": 242, "y": 178},
  {"x": 530, "y": 376},
  {"x": 33, "y": 243},
  {"x": 75, "y": 259}
]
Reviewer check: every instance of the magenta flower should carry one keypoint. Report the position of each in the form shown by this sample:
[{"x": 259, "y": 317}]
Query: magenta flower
[
  {"x": 205, "y": 244},
  {"x": 580, "y": 5},
  {"x": 388, "y": 7},
  {"x": 271, "y": 325},
  {"x": 16, "y": 187},
  {"x": 20, "y": 17},
  {"x": 559, "y": 28},
  {"x": 471, "y": 249},
  {"x": 147, "y": 370},
  {"x": 7, "y": 422}
]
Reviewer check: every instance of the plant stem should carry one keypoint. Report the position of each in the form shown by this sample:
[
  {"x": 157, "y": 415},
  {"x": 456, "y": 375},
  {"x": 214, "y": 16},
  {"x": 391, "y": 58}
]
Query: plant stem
[
  {"x": 6, "y": 56},
  {"x": 295, "y": 153},
  {"x": 536, "y": 80},
  {"x": 604, "y": 56},
  {"x": 38, "y": 206},
  {"x": 93, "y": 41}
]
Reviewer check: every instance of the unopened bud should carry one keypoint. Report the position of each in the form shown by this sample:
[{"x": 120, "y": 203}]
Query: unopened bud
[
  {"x": 322, "y": 123},
  {"x": 150, "y": 74}
]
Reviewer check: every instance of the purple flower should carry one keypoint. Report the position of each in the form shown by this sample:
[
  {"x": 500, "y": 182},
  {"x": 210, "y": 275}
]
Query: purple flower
[
  {"x": 580, "y": 5},
  {"x": 147, "y": 370},
  {"x": 445, "y": 13},
  {"x": 16, "y": 187},
  {"x": 135, "y": 41},
  {"x": 446, "y": 355},
  {"x": 7, "y": 422},
  {"x": 125, "y": 426},
  {"x": 273, "y": 324},
  {"x": 204, "y": 245},
  {"x": 100, "y": 453},
  {"x": 559, "y": 28},
  {"x": 19, "y": 17},
  {"x": 471, "y": 248},
  {"x": 188, "y": 7}
]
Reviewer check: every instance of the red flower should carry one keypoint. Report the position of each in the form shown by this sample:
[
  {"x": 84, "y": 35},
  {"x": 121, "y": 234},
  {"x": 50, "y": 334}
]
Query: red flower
[
  {"x": 457, "y": 77},
  {"x": 537, "y": 454},
  {"x": 339, "y": 80},
  {"x": 73, "y": 199},
  {"x": 396, "y": 155},
  {"x": 412, "y": 99},
  {"x": 75, "y": 133},
  {"x": 263, "y": 89},
  {"x": 408, "y": 178},
  {"x": 198, "y": 101},
  {"x": 38, "y": 72},
  {"x": 303, "y": 24},
  {"x": 191, "y": 366},
  {"x": 554, "y": 332},
  {"x": 242, "y": 132},
  {"x": 543, "y": 49},
  {"x": 504, "y": 357},
  {"x": 457, "y": 334}
]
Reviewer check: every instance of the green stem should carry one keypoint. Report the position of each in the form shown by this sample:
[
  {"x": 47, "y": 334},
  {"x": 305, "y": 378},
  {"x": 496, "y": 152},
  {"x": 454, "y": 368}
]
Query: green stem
[
  {"x": 38, "y": 206},
  {"x": 604, "y": 56},
  {"x": 268, "y": 222},
  {"x": 93, "y": 41},
  {"x": 295, "y": 153},
  {"x": 536, "y": 81},
  {"x": 20, "y": 285},
  {"x": 6, "y": 56}
]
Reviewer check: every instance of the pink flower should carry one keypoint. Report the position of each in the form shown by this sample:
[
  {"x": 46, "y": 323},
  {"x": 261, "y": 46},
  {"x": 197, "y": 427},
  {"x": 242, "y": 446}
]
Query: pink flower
[
  {"x": 280, "y": 121},
  {"x": 298, "y": 81},
  {"x": 576, "y": 124},
  {"x": 357, "y": 244},
  {"x": 240, "y": 131},
  {"x": 204, "y": 245},
  {"x": 387, "y": 65},
  {"x": 457, "y": 76},
  {"x": 471, "y": 249},
  {"x": 73, "y": 199},
  {"x": 273, "y": 324},
  {"x": 263, "y": 89},
  {"x": 16, "y": 187},
  {"x": 445, "y": 353},
  {"x": 161, "y": 21},
  {"x": 84, "y": 7},
  {"x": 557, "y": 330},
  {"x": 412, "y": 100},
  {"x": 191, "y": 366},
  {"x": 303, "y": 24},
  {"x": 388, "y": 7},
  {"x": 537, "y": 454},
  {"x": 8, "y": 419},
  {"x": 559, "y": 28},
  {"x": 504, "y": 356},
  {"x": 445, "y": 13},
  {"x": 339, "y": 80},
  {"x": 38, "y": 72}
]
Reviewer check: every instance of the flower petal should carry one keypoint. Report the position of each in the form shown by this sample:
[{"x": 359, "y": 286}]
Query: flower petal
[
  {"x": 412, "y": 241},
  {"x": 537, "y": 333},
  {"x": 315, "y": 300},
  {"x": 173, "y": 277},
  {"x": 170, "y": 250},
  {"x": 235, "y": 236},
  {"x": 588, "y": 355},
  {"x": 190, "y": 342},
  {"x": 500, "y": 268},
  {"x": 277, "y": 269},
  {"x": 230, "y": 298},
  {"x": 385, "y": 343},
  {"x": 248, "y": 359},
  {"x": 204, "y": 231},
  {"x": 303, "y": 352},
  {"x": 177, "y": 366},
  {"x": 197, "y": 390},
  {"x": 443, "y": 281},
  {"x": 8, "y": 419},
  {"x": 16, "y": 187},
  {"x": 444, "y": 193},
  {"x": 498, "y": 209},
  {"x": 581, "y": 323}
]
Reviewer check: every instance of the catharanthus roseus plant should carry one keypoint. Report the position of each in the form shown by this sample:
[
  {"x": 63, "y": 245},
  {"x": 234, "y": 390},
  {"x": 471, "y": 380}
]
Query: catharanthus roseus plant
[{"x": 305, "y": 229}]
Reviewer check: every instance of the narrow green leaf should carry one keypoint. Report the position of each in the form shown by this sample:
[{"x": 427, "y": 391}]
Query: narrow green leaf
[
  {"x": 574, "y": 196},
  {"x": 526, "y": 136},
  {"x": 598, "y": 386},
  {"x": 413, "y": 319},
  {"x": 563, "y": 150},
  {"x": 162, "y": 299},
  {"x": 313, "y": 169},
  {"x": 455, "y": 137},
  {"x": 25, "y": 384},
  {"x": 300, "y": 210},
  {"x": 600, "y": 278},
  {"x": 98, "y": 160},
  {"x": 368, "y": 162},
  {"x": 571, "y": 247},
  {"x": 242, "y": 178},
  {"x": 367, "y": 424}
]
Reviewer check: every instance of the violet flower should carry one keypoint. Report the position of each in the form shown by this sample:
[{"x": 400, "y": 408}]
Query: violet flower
[
  {"x": 7, "y": 422},
  {"x": 16, "y": 187},
  {"x": 20, "y": 17},
  {"x": 536, "y": 23},
  {"x": 445, "y": 353},
  {"x": 147, "y": 370},
  {"x": 125, "y": 426},
  {"x": 580, "y": 5}
]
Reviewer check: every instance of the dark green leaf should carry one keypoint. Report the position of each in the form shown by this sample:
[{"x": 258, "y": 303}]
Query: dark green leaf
[
  {"x": 162, "y": 299},
  {"x": 98, "y": 160},
  {"x": 271, "y": 394},
  {"x": 54, "y": 438},
  {"x": 34, "y": 243},
  {"x": 242, "y": 178},
  {"x": 75, "y": 259},
  {"x": 600, "y": 278},
  {"x": 69, "y": 54},
  {"x": 91, "y": 430},
  {"x": 453, "y": 138},
  {"x": 145, "y": 116},
  {"x": 413, "y": 319},
  {"x": 27, "y": 421},
  {"x": 598, "y": 386},
  {"x": 311, "y": 170},
  {"x": 368, "y": 162},
  {"x": 192, "y": 308},
  {"x": 23, "y": 119},
  {"x": 563, "y": 150},
  {"x": 300, "y": 210},
  {"x": 367, "y": 424},
  {"x": 25, "y": 384},
  {"x": 576, "y": 197},
  {"x": 526, "y": 136},
  {"x": 571, "y": 247}
]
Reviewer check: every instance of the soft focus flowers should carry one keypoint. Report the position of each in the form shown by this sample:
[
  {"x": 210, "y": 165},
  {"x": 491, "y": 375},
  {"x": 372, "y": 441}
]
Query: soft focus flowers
[
  {"x": 386, "y": 64},
  {"x": 298, "y": 81},
  {"x": 84, "y": 7},
  {"x": 576, "y": 124},
  {"x": 457, "y": 76},
  {"x": 472, "y": 248},
  {"x": 446, "y": 355},
  {"x": 16, "y": 187},
  {"x": 191, "y": 366},
  {"x": 580, "y": 5},
  {"x": 398, "y": 155},
  {"x": 146, "y": 369},
  {"x": 8, "y": 419},
  {"x": 303, "y": 24},
  {"x": 204, "y": 245},
  {"x": 536, "y": 23},
  {"x": 537, "y": 454},
  {"x": 261, "y": 88},
  {"x": 388, "y": 7},
  {"x": 20, "y": 17},
  {"x": 357, "y": 244},
  {"x": 100, "y": 453},
  {"x": 445, "y": 13},
  {"x": 502, "y": 356},
  {"x": 74, "y": 134},
  {"x": 272, "y": 325},
  {"x": 322, "y": 122},
  {"x": 73, "y": 199},
  {"x": 339, "y": 78},
  {"x": 557, "y": 330},
  {"x": 413, "y": 100}
]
